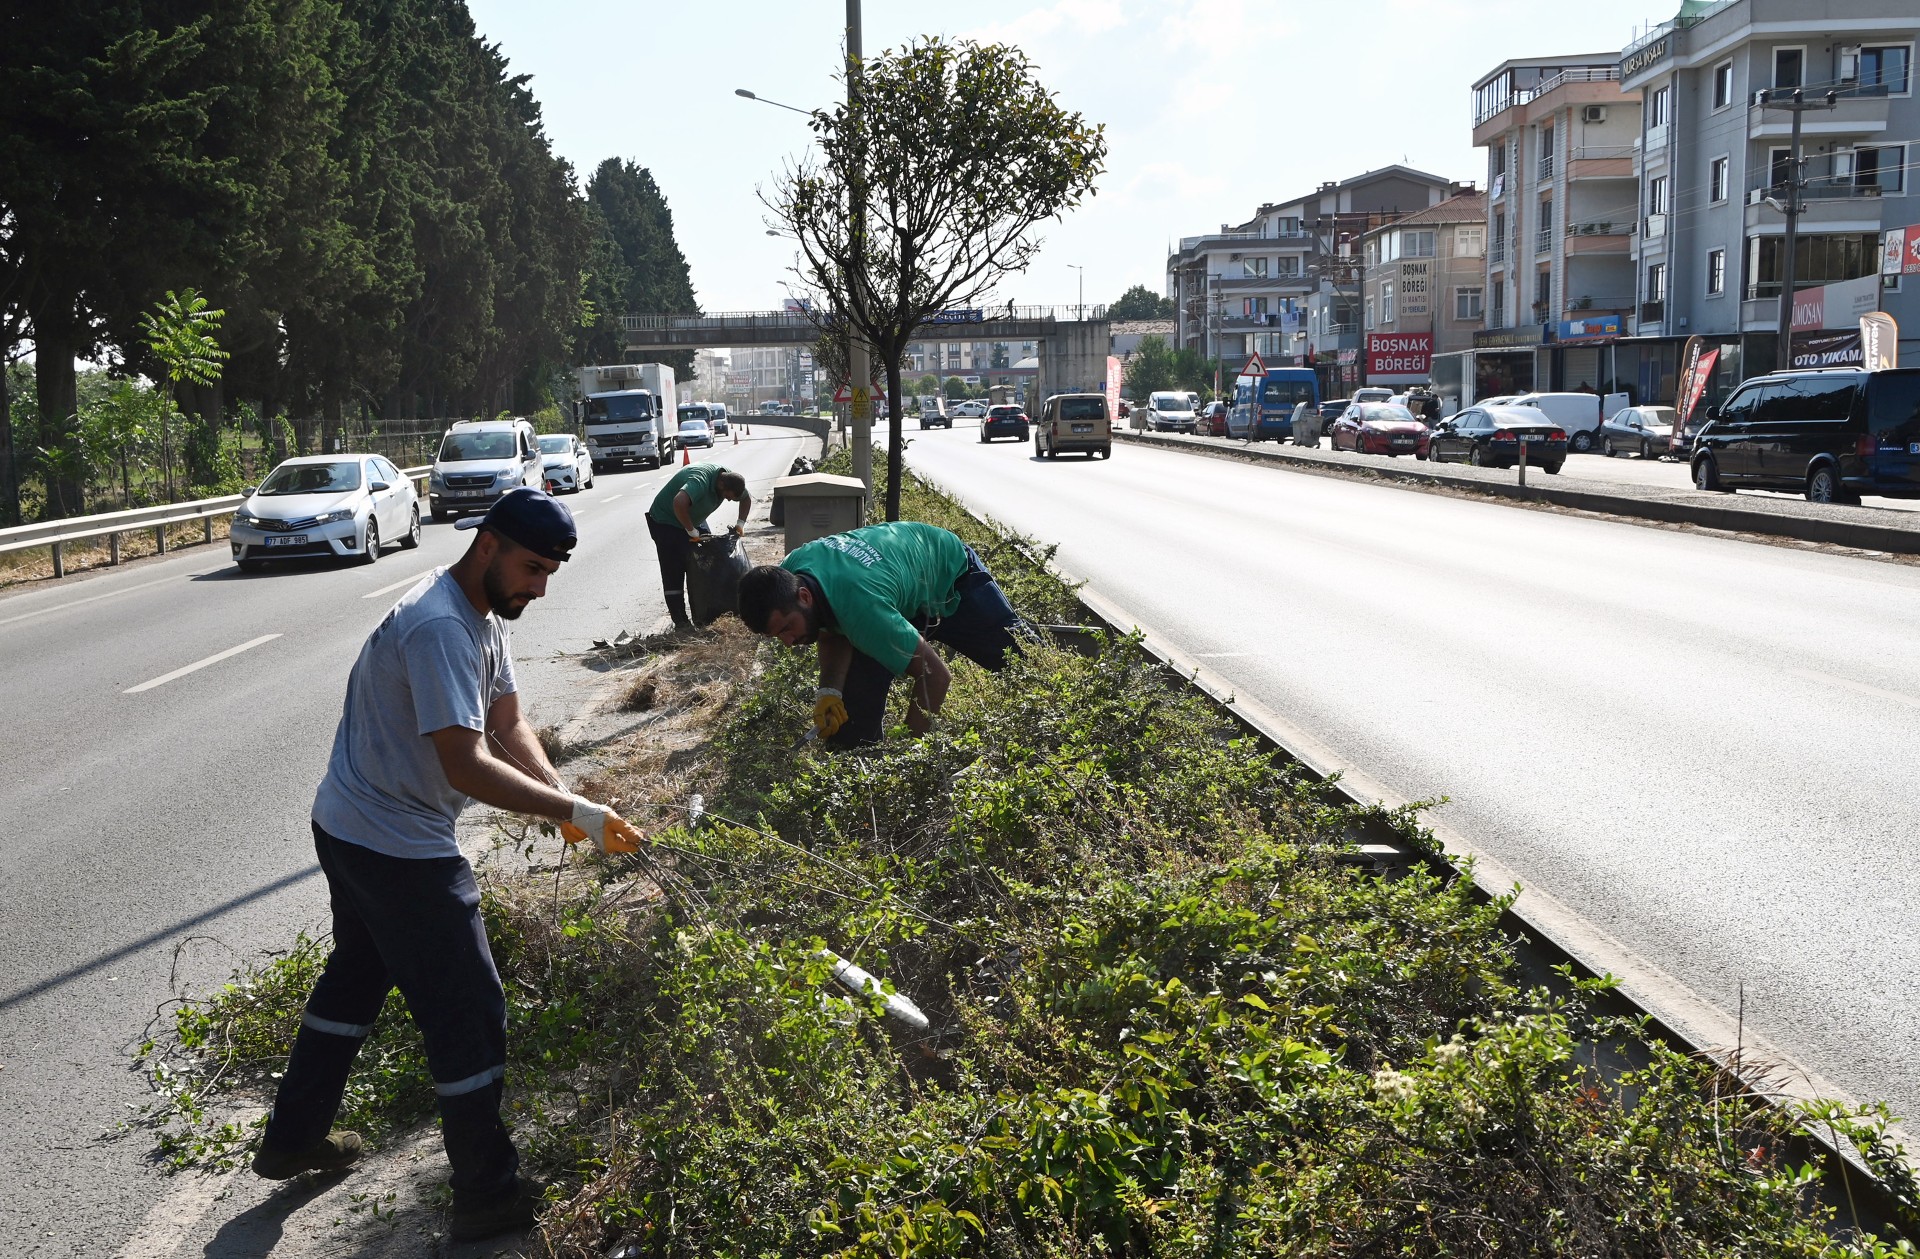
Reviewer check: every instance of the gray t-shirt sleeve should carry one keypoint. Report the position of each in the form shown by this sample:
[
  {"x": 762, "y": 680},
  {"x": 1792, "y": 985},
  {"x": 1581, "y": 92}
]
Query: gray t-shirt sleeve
[{"x": 446, "y": 668}]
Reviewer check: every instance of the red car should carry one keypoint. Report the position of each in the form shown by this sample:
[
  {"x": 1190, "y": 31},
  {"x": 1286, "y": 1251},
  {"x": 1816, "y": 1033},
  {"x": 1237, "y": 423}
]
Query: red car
[
  {"x": 1380, "y": 428},
  {"x": 1212, "y": 421}
]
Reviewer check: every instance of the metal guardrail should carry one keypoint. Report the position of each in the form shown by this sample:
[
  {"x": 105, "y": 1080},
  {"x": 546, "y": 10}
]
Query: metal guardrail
[{"x": 56, "y": 534}]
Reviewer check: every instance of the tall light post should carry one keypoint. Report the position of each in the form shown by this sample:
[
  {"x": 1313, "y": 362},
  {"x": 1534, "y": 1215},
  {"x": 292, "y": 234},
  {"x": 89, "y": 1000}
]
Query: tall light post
[
  {"x": 859, "y": 361},
  {"x": 1796, "y": 103},
  {"x": 1080, "y": 311}
]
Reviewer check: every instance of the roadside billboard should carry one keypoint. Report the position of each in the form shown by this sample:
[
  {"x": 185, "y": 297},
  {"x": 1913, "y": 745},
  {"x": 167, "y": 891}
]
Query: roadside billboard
[
  {"x": 1399, "y": 357},
  {"x": 1901, "y": 252}
]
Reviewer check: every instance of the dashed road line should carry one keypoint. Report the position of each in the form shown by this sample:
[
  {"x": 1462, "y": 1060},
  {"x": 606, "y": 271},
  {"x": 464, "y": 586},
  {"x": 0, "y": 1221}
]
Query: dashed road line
[
  {"x": 404, "y": 581},
  {"x": 1814, "y": 675},
  {"x": 74, "y": 603},
  {"x": 198, "y": 665}
]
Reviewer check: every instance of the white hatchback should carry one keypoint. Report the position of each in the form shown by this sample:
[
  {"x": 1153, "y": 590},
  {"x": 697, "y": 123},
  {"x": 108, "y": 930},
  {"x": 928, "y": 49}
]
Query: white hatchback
[
  {"x": 565, "y": 463},
  {"x": 322, "y": 506}
]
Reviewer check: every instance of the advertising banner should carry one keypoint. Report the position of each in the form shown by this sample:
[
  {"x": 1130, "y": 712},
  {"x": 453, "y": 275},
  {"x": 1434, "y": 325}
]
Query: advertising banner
[
  {"x": 1697, "y": 387},
  {"x": 1901, "y": 254},
  {"x": 1689, "y": 368},
  {"x": 1879, "y": 341},
  {"x": 1827, "y": 348},
  {"x": 1408, "y": 354},
  {"x": 1835, "y": 306},
  {"x": 1587, "y": 329}
]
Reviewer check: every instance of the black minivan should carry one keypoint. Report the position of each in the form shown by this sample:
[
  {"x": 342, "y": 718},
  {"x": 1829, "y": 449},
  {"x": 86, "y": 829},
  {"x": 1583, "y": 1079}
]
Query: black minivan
[{"x": 1833, "y": 434}]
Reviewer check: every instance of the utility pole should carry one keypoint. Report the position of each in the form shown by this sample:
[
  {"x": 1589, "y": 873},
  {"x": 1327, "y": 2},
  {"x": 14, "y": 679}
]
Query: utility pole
[
  {"x": 859, "y": 361},
  {"x": 1796, "y": 103},
  {"x": 1080, "y": 311}
]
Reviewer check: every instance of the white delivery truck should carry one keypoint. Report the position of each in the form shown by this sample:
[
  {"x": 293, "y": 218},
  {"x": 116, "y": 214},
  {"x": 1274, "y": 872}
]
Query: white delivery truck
[{"x": 627, "y": 414}]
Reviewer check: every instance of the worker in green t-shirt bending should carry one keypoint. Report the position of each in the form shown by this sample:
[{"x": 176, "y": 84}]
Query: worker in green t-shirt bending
[
  {"x": 678, "y": 519},
  {"x": 871, "y": 599}
]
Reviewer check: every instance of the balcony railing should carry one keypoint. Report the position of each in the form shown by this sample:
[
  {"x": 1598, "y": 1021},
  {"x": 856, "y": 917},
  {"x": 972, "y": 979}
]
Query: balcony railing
[
  {"x": 1497, "y": 251},
  {"x": 1599, "y": 152},
  {"x": 1590, "y": 74},
  {"x": 1543, "y": 240},
  {"x": 1604, "y": 227},
  {"x": 1546, "y": 167},
  {"x": 1652, "y": 312}
]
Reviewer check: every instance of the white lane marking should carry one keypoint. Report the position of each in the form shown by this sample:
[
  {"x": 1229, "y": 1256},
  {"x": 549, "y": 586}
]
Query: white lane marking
[
  {"x": 198, "y": 665},
  {"x": 174, "y": 1217},
  {"x": 74, "y": 603},
  {"x": 612, "y": 498},
  {"x": 1863, "y": 688},
  {"x": 1223, "y": 655},
  {"x": 404, "y": 581}
]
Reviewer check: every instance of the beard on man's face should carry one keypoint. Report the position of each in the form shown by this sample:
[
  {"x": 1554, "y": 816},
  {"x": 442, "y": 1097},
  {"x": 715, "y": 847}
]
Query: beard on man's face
[{"x": 507, "y": 606}]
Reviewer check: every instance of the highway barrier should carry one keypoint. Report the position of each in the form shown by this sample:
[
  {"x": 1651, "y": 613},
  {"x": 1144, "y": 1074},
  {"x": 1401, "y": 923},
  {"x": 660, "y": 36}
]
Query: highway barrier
[
  {"x": 1866, "y": 528},
  {"x": 57, "y": 534}
]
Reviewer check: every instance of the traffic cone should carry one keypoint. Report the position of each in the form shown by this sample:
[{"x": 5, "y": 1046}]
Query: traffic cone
[
  {"x": 686, "y": 456},
  {"x": 736, "y": 437}
]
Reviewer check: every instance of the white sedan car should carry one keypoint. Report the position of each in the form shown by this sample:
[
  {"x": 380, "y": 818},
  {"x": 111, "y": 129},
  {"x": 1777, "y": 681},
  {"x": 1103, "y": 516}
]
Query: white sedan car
[
  {"x": 565, "y": 464},
  {"x": 322, "y": 506},
  {"x": 972, "y": 409}
]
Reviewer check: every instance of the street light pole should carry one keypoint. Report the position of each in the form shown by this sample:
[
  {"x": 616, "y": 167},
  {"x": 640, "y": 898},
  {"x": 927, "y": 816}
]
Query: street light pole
[
  {"x": 859, "y": 360},
  {"x": 1795, "y": 103},
  {"x": 1080, "y": 311}
]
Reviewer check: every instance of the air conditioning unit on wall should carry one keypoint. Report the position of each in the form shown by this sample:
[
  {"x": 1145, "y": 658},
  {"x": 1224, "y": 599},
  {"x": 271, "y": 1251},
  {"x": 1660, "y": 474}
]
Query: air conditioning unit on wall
[{"x": 1593, "y": 113}]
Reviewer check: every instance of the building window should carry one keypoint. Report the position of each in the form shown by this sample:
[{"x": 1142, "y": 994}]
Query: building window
[
  {"x": 1499, "y": 152},
  {"x": 1466, "y": 303},
  {"x": 1716, "y": 272},
  {"x": 1470, "y": 242},
  {"x": 1717, "y": 179},
  {"x": 1386, "y": 302},
  {"x": 1779, "y": 167},
  {"x": 1883, "y": 70},
  {"x": 1657, "y": 282},
  {"x": 1499, "y": 303},
  {"x": 1369, "y": 314},
  {"x": 1543, "y": 292},
  {"x": 1256, "y": 306},
  {"x": 1723, "y": 85},
  {"x": 1661, "y": 106},
  {"x": 1287, "y": 265},
  {"x": 1881, "y": 166},
  {"x": 1787, "y": 65},
  {"x": 1416, "y": 244},
  {"x": 1816, "y": 260},
  {"x": 1373, "y": 253},
  {"x": 1254, "y": 268},
  {"x": 1657, "y": 195}
]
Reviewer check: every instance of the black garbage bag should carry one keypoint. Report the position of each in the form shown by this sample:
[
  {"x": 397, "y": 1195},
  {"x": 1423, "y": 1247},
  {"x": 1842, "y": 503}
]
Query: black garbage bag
[{"x": 713, "y": 583}]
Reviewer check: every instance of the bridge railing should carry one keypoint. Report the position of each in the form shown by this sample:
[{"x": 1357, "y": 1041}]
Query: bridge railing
[{"x": 792, "y": 321}]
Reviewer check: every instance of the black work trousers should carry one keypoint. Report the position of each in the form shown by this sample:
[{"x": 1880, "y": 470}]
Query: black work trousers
[
  {"x": 413, "y": 925},
  {"x": 675, "y": 549},
  {"x": 981, "y": 629}
]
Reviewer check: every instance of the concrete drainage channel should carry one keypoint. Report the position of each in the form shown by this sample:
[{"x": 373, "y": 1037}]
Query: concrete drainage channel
[
  {"x": 1548, "y": 934},
  {"x": 1862, "y": 528}
]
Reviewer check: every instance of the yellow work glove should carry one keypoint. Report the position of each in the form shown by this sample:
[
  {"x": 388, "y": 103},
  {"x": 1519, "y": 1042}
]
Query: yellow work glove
[
  {"x": 829, "y": 712},
  {"x": 609, "y": 831}
]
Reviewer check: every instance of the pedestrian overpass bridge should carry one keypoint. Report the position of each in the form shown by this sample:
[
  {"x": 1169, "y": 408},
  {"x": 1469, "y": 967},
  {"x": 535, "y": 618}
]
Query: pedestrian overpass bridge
[{"x": 649, "y": 334}]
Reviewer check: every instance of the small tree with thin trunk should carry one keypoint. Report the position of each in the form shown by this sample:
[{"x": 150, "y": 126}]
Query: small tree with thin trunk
[{"x": 958, "y": 154}]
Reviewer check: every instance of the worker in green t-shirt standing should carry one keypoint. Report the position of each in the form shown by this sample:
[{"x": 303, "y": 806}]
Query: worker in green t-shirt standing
[
  {"x": 875, "y": 600},
  {"x": 678, "y": 519}
]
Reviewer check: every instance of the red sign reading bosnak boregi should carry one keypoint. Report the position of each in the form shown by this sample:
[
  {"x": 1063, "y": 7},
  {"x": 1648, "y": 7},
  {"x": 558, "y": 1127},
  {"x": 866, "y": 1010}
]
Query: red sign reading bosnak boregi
[{"x": 1399, "y": 353}]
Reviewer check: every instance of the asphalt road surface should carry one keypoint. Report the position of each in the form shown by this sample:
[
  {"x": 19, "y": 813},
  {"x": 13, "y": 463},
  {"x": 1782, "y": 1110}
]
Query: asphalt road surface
[
  {"x": 1702, "y": 746},
  {"x": 152, "y": 839}
]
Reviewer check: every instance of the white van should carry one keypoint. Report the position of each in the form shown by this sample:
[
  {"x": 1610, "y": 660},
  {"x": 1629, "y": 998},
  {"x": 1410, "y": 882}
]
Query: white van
[
  {"x": 478, "y": 461},
  {"x": 1578, "y": 413},
  {"x": 1169, "y": 412}
]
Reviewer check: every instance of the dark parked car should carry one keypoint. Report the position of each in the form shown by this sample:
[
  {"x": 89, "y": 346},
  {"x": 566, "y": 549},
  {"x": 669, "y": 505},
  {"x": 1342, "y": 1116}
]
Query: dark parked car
[
  {"x": 1643, "y": 431},
  {"x": 1491, "y": 437},
  {"x": 1380, "y": 428},
  {"x": 1004, "y": 420},
  {"x": 1832, "y": 434},
  {"x": 1212, "y": 421},
  {"x": 1331, "y": 411}
]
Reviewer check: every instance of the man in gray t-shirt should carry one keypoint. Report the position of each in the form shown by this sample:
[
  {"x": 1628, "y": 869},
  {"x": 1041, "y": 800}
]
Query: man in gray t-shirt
[{"x": 432, "y": 720}]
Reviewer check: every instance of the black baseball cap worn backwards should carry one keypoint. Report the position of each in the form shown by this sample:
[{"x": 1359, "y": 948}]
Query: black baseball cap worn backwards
[{"x": 533, "y": 518}]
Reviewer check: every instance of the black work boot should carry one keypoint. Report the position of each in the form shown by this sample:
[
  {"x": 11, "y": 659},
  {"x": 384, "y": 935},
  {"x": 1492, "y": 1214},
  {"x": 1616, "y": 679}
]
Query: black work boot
[
  {"x": 677, "y": 609},
  {"x": 330, "y": 1153},
  {"x": 513, "y": 1211}
]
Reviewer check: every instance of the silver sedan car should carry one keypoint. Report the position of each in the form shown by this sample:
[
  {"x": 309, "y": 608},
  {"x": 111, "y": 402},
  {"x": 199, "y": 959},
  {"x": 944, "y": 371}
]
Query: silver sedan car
[
  {"x": 326, "y": 506},
  {"x": 1643, "y": 431}
]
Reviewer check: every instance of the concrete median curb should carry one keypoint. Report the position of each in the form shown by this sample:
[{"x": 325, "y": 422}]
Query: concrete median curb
[{"x": 1865, "y": 528}]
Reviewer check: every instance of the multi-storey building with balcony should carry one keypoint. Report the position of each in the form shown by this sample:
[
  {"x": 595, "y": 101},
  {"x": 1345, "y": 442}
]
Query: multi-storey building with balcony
[
  {"x": 1714, "y": 173},
  {"x": 1245, "y": 289},
  {"x": 1559, "y": 134},
  {"x": 1424, "y": 289}
]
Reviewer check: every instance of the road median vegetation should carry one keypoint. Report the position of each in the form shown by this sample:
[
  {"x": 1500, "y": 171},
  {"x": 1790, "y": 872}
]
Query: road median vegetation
[{"x": 1169, "y": 1014}]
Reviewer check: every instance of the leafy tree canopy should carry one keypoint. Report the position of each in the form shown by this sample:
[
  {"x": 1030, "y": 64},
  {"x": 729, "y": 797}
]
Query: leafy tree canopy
[{"x": 1141, "y": 302}]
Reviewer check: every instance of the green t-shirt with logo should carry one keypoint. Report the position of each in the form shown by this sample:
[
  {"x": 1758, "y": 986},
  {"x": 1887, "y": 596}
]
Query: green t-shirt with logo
[
  {"x": 703, "y": 494},
  {"x": 878, "y": 577}
]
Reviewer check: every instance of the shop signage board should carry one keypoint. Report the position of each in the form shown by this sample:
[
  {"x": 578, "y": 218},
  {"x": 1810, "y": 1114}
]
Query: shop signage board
[
  {"x": 1524, "y": 337},
  {"x": 1587, "y": 329},
  {"x": 1399, "y": 354}
]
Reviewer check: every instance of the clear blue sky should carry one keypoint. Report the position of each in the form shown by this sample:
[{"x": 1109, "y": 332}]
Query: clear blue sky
[{"x": 1211, "y": 106}]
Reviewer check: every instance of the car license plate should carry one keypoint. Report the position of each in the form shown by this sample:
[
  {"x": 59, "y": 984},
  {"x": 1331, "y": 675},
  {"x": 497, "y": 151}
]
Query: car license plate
[
  {"x": 1532, "y": 437},
  {"x": 1403, "y": 441},
  {"x": 466, "y": 493},
  {"x": 288, "y": 539},
  {"x": 1083, "y": 428}
]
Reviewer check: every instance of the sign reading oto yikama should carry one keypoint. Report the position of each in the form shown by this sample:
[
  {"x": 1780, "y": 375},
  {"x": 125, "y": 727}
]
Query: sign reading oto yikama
[{"x": 1399, "y": 354}]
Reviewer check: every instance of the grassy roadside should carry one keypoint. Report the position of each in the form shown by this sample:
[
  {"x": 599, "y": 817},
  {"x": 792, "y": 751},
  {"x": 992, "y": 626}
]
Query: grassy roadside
[{"x": 1167, "y": 1018}]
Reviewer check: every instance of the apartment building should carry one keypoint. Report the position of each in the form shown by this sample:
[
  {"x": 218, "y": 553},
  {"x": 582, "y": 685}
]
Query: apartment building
[
  {"x": 1559, "y": 277},
  {"x": 1246, "y": 288},
  {"x": 1714, "y": 173},
  {"x": 1424, "y": 289}
]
